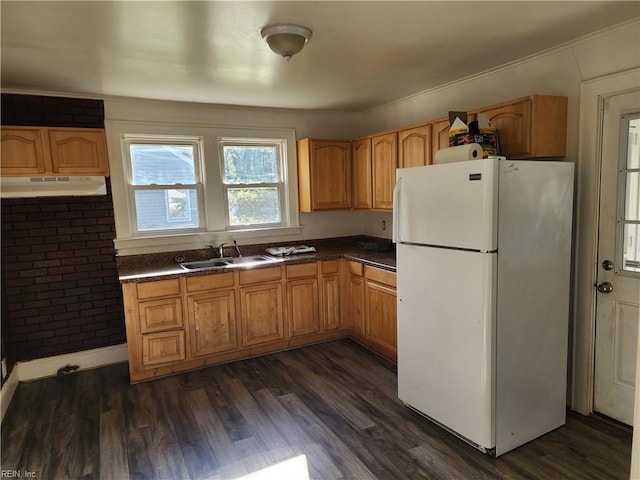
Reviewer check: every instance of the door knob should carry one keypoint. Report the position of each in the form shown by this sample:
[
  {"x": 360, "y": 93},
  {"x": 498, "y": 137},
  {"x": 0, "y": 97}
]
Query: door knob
[
  {"x": 605, "y": 287},
  {"x": 607, "y": 265}
]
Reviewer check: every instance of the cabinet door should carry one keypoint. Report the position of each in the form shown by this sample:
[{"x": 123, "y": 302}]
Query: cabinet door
[
  {"x": 331, "y": 163},
  {"x": 362, "y": 174},
  {"x": 212, "y": 322},
  {"x": 302, "y": 306},
  {"x": 513, "y": 123},
  {"x": 414, "y": 147},
  {"x": 163, "y": 347},
  {"x": 78, "y": 151},
  {"x": 330, "y": 302},
  {"x": 24, "y": 152},
  {"x": 439, "y": 136},
  {"x": 356, "y": 303},
  {"x": 324, "y": 174},
  {"x": 384, "y": 151},
  {"x": 531, "y": 127},
  {"x": 162, "y": 314},
  {"x": 262, "y": 313},
  {"x": 380, "y": 316}
]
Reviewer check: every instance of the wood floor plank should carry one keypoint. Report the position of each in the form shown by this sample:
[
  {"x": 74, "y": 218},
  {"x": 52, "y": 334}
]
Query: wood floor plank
[
  {"x": 228, "y": 461},
  {"x": 341, "y": 454},
  {"x": 265, "y": 432},
  {"x": 113, "y": 455},
  {"x": 320, "y": 464},
  {"x": 336, "y": 399},
  {"x": 184, "y": 427}
]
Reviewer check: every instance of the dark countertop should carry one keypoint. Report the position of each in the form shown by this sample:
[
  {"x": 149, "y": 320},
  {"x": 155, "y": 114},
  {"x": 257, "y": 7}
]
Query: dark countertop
[{"x": 140, "y": 268}]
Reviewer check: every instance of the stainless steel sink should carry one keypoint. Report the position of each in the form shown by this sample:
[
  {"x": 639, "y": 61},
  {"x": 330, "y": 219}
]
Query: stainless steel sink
[
  {"x": 228, "y": 262},
  {"x": 244, "y": 261},
  {"x": 204, "y": 264}
]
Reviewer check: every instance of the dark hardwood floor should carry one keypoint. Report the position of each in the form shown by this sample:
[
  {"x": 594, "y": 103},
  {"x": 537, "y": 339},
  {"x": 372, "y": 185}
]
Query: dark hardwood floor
[{"x": 327, "y": 411}]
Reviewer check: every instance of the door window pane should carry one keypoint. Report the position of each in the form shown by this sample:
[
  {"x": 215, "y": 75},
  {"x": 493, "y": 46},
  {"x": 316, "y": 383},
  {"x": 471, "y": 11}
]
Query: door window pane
[
  {"x": 629, "y": 217},
  {"x": 631, "y": 248},
  {"x": 632, "y": 197}
]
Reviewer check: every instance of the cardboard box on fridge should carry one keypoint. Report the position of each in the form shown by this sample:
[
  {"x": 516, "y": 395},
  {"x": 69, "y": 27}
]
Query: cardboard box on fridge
[{"x": 479, "y": 131}]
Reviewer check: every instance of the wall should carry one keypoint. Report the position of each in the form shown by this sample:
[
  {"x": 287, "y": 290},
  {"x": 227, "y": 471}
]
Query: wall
[
  {"x": 126, "y": 113},
  {"x": 558, "y": 71},
  {"x": 60, "y": 289}
]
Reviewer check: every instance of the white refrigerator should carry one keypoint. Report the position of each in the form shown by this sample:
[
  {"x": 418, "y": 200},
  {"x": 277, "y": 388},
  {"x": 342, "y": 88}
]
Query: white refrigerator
[{"x": 483, "y": 278}]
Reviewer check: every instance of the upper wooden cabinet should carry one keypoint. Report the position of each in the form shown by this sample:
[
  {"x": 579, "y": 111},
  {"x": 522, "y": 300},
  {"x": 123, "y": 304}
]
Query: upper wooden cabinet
[
  {"x": 24, "y": 151},
  {"x": 530, "y": 127},
  {"x": 439, "y": 135},
  {"x": 384, "y": 150},
  {"x": 414, "y": 146},
  {"x": 324, "y": 174},
  {"x": 362, "y": 174},
  {"x": 43, "y": 151}
]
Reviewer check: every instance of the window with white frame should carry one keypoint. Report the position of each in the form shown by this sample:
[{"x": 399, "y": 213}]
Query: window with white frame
[
  {"x": 253, "y": 182},
  {"x": 164, "y": 183}
]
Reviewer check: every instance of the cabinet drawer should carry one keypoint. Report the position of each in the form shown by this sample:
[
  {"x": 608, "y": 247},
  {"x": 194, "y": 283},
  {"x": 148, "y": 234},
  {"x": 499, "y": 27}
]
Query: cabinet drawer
[
  {"x": 260, "y": 275},
  {"x": 210, "y": 282},
  {"x": 161, "y": 288},
  {"x": 163, "y": 314},
  {"x": 329, "y": 266},
  {"x": 355, "y": 268},
  {"x": 302, "y": 270},
  {"x": 381, "y": 276},
  {"x": 163, "y": 347}
]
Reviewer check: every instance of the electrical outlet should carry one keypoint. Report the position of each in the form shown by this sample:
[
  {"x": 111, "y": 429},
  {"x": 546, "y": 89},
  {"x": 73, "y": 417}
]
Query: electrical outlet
[
  {"x": 384, "y": 224},
  {"x": 4, "y": 368}
]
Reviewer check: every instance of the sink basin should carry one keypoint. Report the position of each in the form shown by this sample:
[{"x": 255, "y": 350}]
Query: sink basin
[
  {"x": 202, "y": 264},
  {"x": 228, "y": 262},
  {"x": 251, "y": 259}
]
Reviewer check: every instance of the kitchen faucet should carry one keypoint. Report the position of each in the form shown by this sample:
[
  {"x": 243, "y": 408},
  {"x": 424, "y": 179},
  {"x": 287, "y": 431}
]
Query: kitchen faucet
[
  {"x": 235, "y": 243},
  {"x": 219, "y": 249}
]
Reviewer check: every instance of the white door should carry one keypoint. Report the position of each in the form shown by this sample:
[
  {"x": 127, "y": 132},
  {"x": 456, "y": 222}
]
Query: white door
[{"x": 618, "y": 296}]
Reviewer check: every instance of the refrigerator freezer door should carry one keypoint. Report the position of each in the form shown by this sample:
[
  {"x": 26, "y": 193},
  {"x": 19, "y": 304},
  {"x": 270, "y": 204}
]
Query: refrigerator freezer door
[
  {"x": 446, "y": 328},
  {"x": 450, "y": 204}
]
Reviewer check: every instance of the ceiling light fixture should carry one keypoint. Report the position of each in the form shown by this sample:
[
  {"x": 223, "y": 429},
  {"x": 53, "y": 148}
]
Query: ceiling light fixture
[{"x": 285, "y": 39}]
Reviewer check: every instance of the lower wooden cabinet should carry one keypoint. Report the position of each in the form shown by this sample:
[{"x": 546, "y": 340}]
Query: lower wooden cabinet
[
  {"x": 262, "y": 314},
  {"x": 371, "y": 307},
  {"x": 212, "y": 322},
  {"x": 380, "y": 316},
  {"x": 183, "y": 323},
  {"x": 302, "y": 306},
  {"x": 163, "y": 347}
]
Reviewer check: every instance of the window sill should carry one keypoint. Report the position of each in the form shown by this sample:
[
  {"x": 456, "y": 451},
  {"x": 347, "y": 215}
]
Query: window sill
[{"x": 193, "y": 241}]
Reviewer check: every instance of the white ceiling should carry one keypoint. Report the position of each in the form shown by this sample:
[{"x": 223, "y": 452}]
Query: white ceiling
[{"x": 362, "y": 54}]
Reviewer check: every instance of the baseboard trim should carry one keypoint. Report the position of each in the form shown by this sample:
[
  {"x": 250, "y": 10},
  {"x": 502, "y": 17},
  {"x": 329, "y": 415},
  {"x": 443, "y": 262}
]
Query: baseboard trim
[
  {"x": 48, "y": 367},
  {"x": 7, "y": 391}
]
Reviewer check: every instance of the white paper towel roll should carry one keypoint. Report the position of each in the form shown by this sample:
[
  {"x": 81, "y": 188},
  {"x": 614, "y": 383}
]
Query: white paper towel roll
[{"x": 470, "y": 151}]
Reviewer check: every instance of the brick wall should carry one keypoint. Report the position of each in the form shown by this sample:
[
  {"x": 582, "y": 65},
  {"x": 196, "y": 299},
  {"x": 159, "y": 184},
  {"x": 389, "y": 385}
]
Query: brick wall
[
  {"x": 59, "y": 275},
  {"x": 42, "y": 111},
  {"x": 60, "y": 288}
]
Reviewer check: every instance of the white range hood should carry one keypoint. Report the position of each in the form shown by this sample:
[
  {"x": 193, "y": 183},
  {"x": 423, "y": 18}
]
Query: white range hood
[{"x": 24, "y": 187}]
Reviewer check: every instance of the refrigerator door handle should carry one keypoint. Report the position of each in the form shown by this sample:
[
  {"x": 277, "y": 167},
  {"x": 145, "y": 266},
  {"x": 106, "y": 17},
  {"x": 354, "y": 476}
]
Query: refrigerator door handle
[{"x": 396, "y": 211}]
